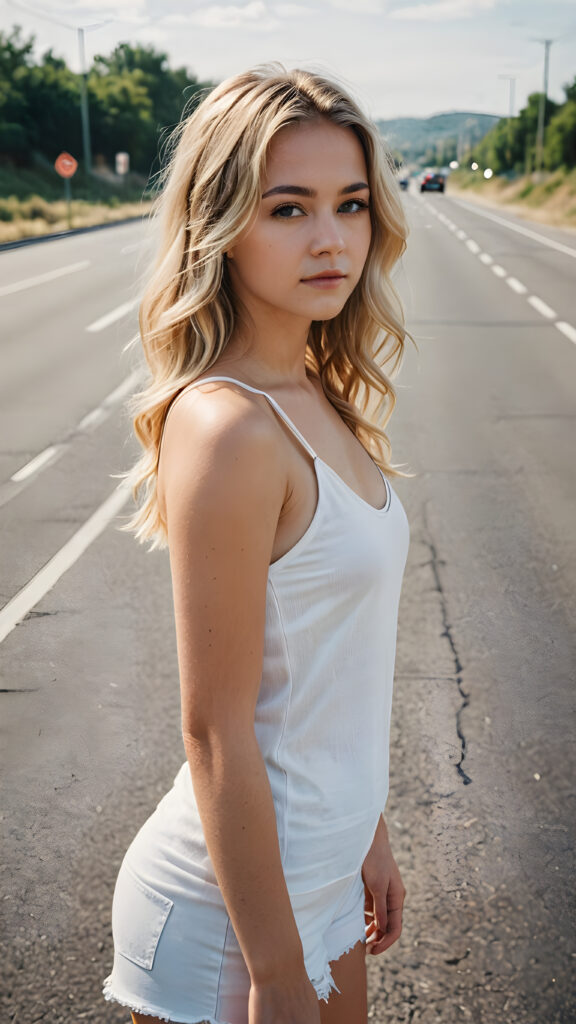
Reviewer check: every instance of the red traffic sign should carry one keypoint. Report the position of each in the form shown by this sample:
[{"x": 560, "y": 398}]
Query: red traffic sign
[{"x": 66, "y": 165}]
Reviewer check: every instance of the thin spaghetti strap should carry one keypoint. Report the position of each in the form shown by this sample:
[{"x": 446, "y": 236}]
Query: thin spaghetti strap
[{"x": 256, "y": 391}]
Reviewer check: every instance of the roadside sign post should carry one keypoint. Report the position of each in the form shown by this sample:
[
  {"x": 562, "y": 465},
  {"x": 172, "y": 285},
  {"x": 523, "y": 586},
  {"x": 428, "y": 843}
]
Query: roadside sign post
[
  {"x": 122, "y": 162},
  {"x": 66, "y": 166}
]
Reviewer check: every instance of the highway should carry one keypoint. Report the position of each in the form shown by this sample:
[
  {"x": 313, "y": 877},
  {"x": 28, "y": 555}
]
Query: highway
[{"x": 481, "y": 810}]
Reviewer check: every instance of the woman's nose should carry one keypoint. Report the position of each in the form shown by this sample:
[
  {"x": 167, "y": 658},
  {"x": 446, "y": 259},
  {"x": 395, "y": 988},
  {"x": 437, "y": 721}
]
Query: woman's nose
[{"x": 327, "y": 236}]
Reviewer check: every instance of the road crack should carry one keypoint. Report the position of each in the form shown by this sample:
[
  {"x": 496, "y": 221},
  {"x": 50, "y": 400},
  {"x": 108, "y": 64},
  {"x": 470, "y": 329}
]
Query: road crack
[{"x": 435, "y": 563}]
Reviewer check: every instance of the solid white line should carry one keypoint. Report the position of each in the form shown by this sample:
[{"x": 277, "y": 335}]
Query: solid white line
[
  {"x": 499, "y": 271},
  {"x": 566, "y": 249},
  {"x": 43, "y": 581},
  {"x": 473, "y": 246},
  {"x": 566, "y": 329},
  {"x": 112, "y": 317},
  {"x": 542, "y": 307},
  {"x": 516, "y": 285},
  {"x": 486, "y": 258},
  {"x": 36, "y": 463},
  {"x": 50, "y": 275}
]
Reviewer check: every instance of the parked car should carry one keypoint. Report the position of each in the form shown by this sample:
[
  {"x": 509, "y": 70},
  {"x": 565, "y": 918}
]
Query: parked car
[
  {"x": 404, "y": 182},
  {"x": 432, "y": 181}
]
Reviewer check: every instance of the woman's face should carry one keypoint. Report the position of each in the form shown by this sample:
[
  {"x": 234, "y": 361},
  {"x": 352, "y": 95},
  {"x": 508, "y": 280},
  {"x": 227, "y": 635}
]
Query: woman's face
[{"x": 314, "y": 219}]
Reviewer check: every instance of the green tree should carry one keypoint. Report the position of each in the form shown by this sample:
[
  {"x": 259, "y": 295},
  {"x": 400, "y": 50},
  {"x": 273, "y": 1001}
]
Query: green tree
[
  {"x": 121, "y": 115},
  {"x": 54, "y": 121},
  {"x": 560, "y": 147},
  {"x": 16, "y": 59},
  {"x": 139, "y": 71}
]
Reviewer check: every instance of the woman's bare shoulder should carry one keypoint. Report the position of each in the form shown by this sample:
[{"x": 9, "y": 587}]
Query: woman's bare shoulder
[{"x": 217, "y": 430}]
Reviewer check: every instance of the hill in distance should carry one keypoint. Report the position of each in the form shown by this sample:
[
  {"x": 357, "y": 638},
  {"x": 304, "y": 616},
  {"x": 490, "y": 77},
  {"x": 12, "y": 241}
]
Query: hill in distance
[{"x": 437, "y": 139}]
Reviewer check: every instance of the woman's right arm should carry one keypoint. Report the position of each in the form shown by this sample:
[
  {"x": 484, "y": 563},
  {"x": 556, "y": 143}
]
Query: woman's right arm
[{"x": 224, "y": 487}]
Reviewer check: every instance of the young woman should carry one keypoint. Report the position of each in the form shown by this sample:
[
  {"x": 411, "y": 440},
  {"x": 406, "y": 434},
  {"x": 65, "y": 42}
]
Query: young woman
[{"x": 252, "y": 893}]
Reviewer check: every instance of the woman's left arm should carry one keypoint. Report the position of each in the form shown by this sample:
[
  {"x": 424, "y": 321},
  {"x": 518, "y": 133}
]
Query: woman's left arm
[{"x": 384, "y": 894}]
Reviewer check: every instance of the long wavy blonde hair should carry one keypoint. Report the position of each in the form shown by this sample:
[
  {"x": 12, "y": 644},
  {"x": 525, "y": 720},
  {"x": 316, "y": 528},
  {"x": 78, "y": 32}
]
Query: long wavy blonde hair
[{"x": 210, "y": 193}]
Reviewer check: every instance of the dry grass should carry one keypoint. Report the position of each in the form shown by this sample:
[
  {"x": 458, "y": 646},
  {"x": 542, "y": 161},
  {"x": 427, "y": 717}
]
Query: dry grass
[
  {"x": 40, "y": 217},
  {"x": 549, "y": 201}
]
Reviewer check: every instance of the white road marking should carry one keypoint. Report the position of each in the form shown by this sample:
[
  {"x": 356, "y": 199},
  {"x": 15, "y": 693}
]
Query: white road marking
[
  {"x": 542, "y": 307},
  {"x": 567, "y": 329},
  {"x": 93, "y": 418},
  {"x": 36, "y": 463},
  {"x": 559, "y": 246},
  {"x": 23, "y": 602},
  {"x": 131, "y": 248},
  {"x": 516, "y": 285},
  {"x": 97, "y": 415},
  {"x": 112, "y": 317},
  {"x": 538, "y": 304},
  {"x": 50, "y": 275}
]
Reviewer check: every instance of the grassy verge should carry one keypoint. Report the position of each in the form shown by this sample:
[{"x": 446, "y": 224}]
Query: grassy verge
[
  {"x": 32, "y": 201},
  {"x": 42, "y": 218},
  {"x": 552, "y": 200}
]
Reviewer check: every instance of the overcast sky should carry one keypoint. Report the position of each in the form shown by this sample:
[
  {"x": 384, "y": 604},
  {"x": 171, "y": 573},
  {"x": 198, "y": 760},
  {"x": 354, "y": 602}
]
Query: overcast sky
[{"x": 409, "y": 58}]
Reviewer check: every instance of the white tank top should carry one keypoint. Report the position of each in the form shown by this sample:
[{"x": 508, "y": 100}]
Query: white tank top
[{"x": 323, "y": 710}]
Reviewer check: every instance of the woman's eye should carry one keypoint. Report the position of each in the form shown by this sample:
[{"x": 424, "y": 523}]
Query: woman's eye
[
  {"x": 354, "y": 206},
  {"x": 287, "y": 211}
]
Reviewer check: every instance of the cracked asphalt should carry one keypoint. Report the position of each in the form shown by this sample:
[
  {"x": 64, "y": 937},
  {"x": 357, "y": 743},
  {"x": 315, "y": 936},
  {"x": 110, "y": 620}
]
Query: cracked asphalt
[{"x": 481, "y": 808}]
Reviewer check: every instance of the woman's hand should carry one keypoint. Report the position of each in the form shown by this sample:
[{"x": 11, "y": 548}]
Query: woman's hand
[
  {"x": 286, "y": 1001},
  {"x": 384, "y": 894}
]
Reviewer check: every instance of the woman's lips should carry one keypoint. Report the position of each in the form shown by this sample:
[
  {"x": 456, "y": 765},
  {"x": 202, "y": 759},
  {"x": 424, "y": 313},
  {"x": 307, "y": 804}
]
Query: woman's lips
[{"x": 325, "y": 281}]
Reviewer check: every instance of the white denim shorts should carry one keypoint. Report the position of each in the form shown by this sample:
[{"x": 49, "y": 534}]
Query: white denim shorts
[{"x": 176, "y": 955}]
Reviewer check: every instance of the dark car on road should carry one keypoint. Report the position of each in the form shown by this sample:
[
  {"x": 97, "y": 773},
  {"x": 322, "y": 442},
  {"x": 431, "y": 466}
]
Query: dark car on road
[{"x": 432, "y": 181}]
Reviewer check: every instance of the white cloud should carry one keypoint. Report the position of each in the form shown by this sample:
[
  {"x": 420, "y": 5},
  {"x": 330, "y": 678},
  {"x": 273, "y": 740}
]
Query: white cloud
[
  {"x": 292, "y": 10},
  {"x": 124, "y": 10},
  {"x": 254, "y": 14},
  {"x": 359, "y": 6},
  {"x": 443, "y": 10}
]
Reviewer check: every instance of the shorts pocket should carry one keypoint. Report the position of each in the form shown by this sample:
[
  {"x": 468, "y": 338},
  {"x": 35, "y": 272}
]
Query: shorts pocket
[{"x": 139, "y": 914}]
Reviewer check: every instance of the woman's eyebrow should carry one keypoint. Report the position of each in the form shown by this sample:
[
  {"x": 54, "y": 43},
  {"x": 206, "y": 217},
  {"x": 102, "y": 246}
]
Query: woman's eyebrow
[{"x": 299, "y": 190}]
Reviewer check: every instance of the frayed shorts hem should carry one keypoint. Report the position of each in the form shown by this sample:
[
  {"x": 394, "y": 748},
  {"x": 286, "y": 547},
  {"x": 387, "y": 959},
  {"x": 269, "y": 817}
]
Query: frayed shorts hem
[{"x": 324, "y": 987}]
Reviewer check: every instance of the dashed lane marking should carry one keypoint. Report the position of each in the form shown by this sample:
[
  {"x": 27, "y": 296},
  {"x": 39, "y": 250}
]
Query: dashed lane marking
[
  {"x": 516, "y": 285},
  {"x": 112, "y": 317},
  {"x": 550, "y": 242},
  {"x": 567, "y": 329},
  {"x": 37, "y": 463},
  {"x": 542, "y": 307},
  {"x": 54, "y": 451},
  {"x": 50, "y": 275}
]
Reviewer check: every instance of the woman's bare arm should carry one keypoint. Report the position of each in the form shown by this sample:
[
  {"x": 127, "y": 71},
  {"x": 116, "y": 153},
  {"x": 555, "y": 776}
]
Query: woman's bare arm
[{"x": 224, "y": 486}]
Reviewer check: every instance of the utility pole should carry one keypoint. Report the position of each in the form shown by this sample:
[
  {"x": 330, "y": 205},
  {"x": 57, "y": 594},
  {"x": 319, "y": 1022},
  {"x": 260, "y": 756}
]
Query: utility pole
[
  {"x": 84, "y": 105},
  {"x": 84, "y": 113},
  {"x": 512, "y": 81},
  {"x": 542, "y": 107}
]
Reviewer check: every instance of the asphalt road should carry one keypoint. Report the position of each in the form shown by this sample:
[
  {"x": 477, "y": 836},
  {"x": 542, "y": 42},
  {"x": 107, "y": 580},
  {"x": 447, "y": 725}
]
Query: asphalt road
[{"x": 481, "y": 810}]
